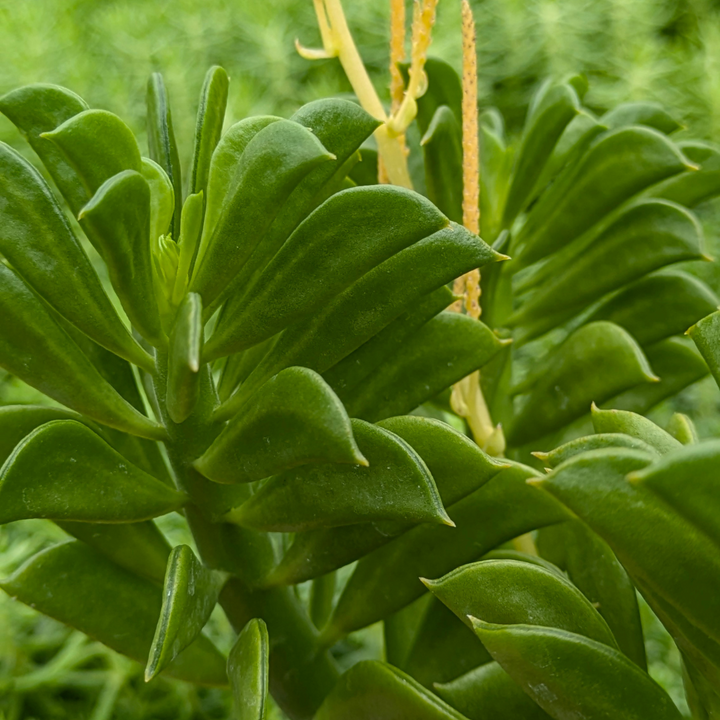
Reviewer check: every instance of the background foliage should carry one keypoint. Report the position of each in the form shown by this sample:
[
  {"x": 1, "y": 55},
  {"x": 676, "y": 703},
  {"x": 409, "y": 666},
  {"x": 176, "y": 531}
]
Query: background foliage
[{"x": 662, "y": 50}]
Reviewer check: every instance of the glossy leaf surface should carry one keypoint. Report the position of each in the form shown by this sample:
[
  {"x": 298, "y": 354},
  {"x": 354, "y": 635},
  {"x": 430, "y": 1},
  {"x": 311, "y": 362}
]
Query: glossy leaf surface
[
  {"x": 184, "y": 359},
  {"x": 634, "y": 425},
  {"x": 570, "y": 676},
  {"x": 395, "y": 485},
  {"x": 706, "y": 336},
  {"x": 294, "y": 419},
  {"x": 248, "y": 671},
  {"x": 189, "y": 597},
  {"x": 592, "y": 442},
  {"x": 99, "y": 598},
  {"x": 65, "y": 471}
]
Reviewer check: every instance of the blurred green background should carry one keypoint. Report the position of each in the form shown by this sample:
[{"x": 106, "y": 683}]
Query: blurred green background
[{"x": 662, "y": 50}]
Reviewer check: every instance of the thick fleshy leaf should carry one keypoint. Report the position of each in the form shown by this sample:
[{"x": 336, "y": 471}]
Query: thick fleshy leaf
[
  {"x": 368, "y": 306},
  {"x": 458, "y": 466},
  {"x": 346, "y": 375},
  {"x": 320, "y": 261},
  {"x": 681, "y": 565},
  {"x": 81, "y": 588},
  {"x": 570, "y": 676},
  {"x": 649, "y": 235},
  {"x": 658, "y": 306},
  {"x": 65, "y": 471},
  {"x": 706, "y": 336},
  {"x": 161, "y": 140},
  {"x": 322, "y": 595},
  {"x": 341, "y": 126},
  {"x": 687, "y": 479},
  {"x": 591, "y": 442},
  {"x": 442, "y": 647},
  {"x": 442, "y": 152},
  {"x": 295, "y": 419},
  {"x": 208, "y": 129},
  {"x": 677, "y": 363},
  {"x": 693, "y": 187},
  {"x": 595, "y": 363},
  {"x": 39, "y": 108},
  {"x": 444, "y": 88},
  {"x": 593, "y": 568},
  {"x": 634, "y": 425},
  {"x": 395, "y": 485},
  {"x": 184, "y": 359},
  {"x": 162, "y": 198},
  {"x": 119, "y": 217},
  {"x": 98, "y": 145},
  {"x": 495, "y": 168},
  {"x": 371, "y": 689},
  {"x": 446, "y": 349},
  {"x": 41, "y": 246},
  {"x": 237, "y": 368},
  {"x": 618, "y": 165},
  {"x": 275, "y": 160},
  {"x": 189, "y": 596},
  {"x": 510, "y": 592},
  {"x": 248, "y": 671},
  {"x": 38, "y": 351},
  {"x": 550, "y": 115},
  {"x": 682, "y": 428},
  {"x": 386, "y": 580},
  {"x": 138, "y": 547},
  {"x": 640, "y": 113},
  {"x": 489, "y": 692}
]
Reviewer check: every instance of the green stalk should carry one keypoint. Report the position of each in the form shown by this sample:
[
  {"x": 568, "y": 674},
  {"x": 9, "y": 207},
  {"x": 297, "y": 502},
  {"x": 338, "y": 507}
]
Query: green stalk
[{"x": 301, "y": 673}]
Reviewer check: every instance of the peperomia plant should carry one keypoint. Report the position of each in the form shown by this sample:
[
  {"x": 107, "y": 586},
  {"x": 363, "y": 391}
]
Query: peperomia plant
[{"x": 287, "y": 312}]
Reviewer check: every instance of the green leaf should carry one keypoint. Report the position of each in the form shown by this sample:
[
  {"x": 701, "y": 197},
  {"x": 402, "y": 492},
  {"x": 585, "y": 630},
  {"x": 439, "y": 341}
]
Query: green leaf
[
  {"x": 97, "y": 597},
  {"x": 294, "y": 419},
  {"x": 65, "y": 471},
  {"x": 658, "y": 306},
  {"x": 571, "y": 676},
  {"x": 618, "y": 165},
  {"x": 41, "y": 246},
  {"x": 649, "y": 235},
  {"x": 119, "y": 216},
  {"x": 138, "y": 547},
  {"x": 686, "y": 479},
  {"x": 510, "y": 592},
  {"x": 593, "y": 568},
  {"x": 442, "y": 152},
  {"x": 444, "y": 88},
  {"x": 678, "y": 365},
  {"x": 640, "y": 113},
  {"x": 458, "y": 466},
  {"x": 347, "y": 374},
  {"x": 377, "y": 223},
  {"x": 184, "y": 359},
  {"x": 189, "y": 596},
  {"x": 368, "y": 306},
  {"x": 695, "y": 186},
  {"x": 395, "y": 486},
  {"x": 190, "y": 229},
  {"x": 322, "y": 595},
  {"x": 248, "y": 671},
  {"x": 706, "y": 336},
  {"x": 595, "y": 363},
  {"x": 634, "y": 425},
  {"x": 208, "y": 129},
  {"x": 38, "y": 351},
  {"x": 161, "y": 140},
  {"x": 275, "y": 160},
  {"x": 679, "y": 565},
  {"x": 374, "y": 689},
  {"x": 386, "y": 580},
  {"x": 495, "y": 168},
  {"x": 489, "y": 692},
  {"x": 35, "y": 109},
  {"x": 162, "y": 199},
  {"x": 237, "y": 367},
  {"x": 443, "y": 647},
  {"x": 682, "y": 428},
  {"x": 442, "y": 352},
  {"x": 592, "y": 442},
  {"x": 558, "y": 105},
  {"x": 98, "y": 145}
]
